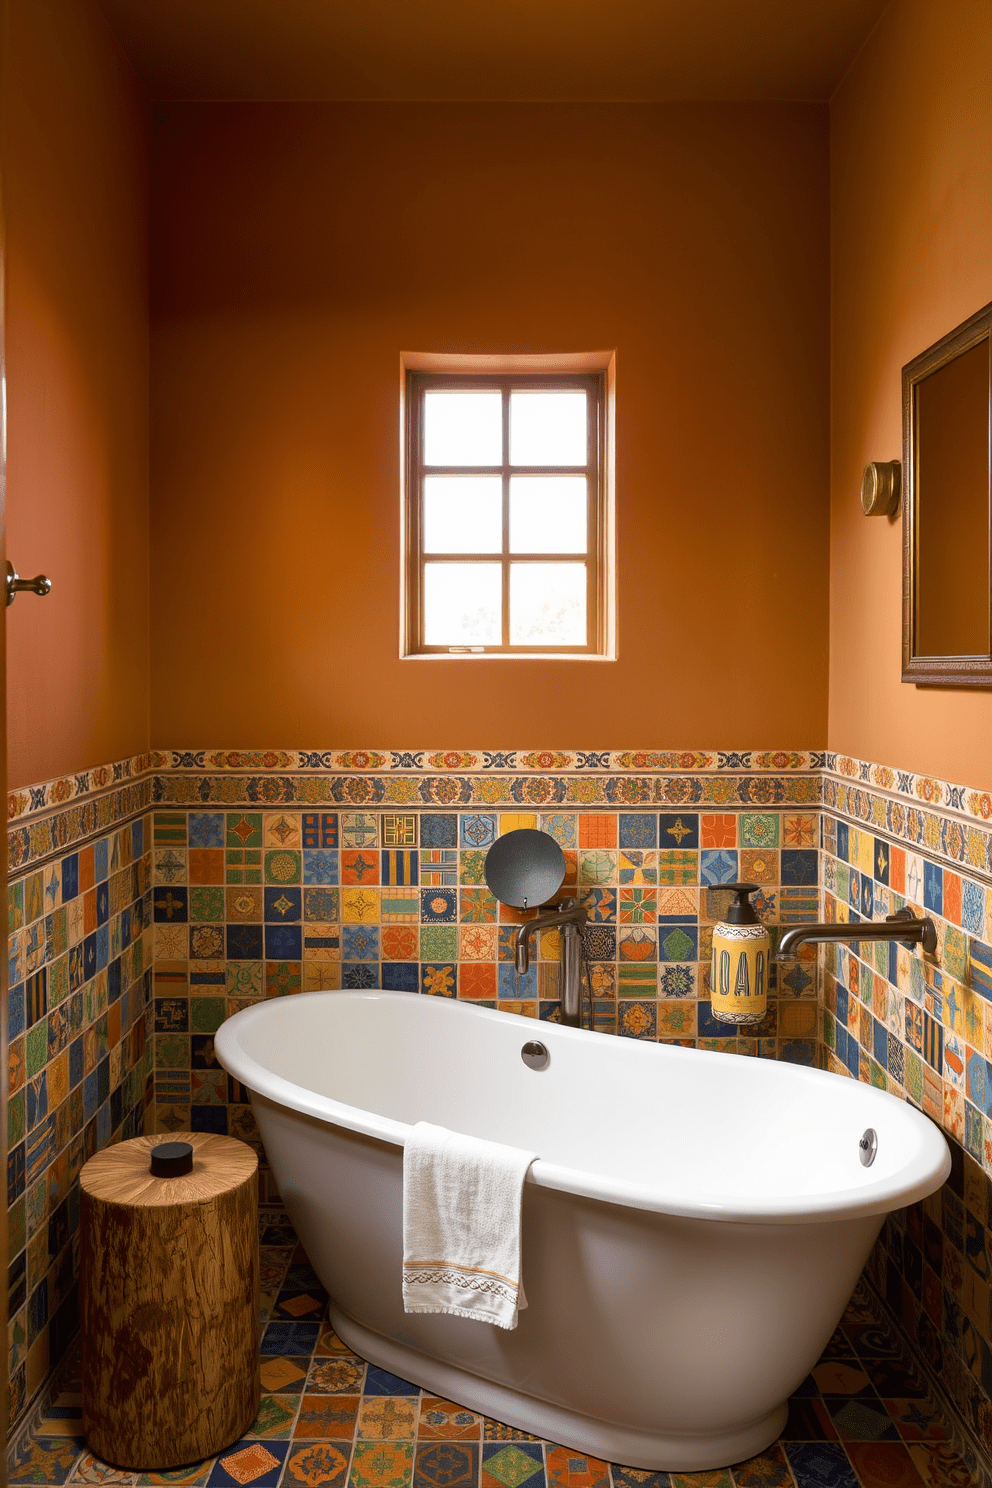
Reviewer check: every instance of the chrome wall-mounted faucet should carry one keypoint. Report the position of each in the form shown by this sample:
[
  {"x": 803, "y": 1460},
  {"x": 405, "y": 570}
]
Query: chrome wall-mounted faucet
[
  {"x": 568, "y": 917},
  {"x": 902, "y": 926}
]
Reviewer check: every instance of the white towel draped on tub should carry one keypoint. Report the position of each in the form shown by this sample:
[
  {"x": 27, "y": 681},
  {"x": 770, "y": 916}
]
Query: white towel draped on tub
[{"x": 461, "y": 1225}]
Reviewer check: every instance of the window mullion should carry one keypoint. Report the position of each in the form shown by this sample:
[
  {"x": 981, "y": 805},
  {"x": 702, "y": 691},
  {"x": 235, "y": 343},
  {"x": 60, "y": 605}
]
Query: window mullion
[{"x": 506, "y": 517}]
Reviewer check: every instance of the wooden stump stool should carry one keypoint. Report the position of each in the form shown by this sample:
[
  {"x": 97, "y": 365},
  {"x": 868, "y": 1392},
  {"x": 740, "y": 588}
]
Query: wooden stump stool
[{"x": 169, "y": 1300}]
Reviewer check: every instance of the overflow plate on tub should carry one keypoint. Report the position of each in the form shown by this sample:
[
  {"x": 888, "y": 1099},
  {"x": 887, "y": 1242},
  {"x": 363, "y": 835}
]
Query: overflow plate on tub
[
  {"x": 868, "y": 1146},
  {"x": 535, "y": 1055}
]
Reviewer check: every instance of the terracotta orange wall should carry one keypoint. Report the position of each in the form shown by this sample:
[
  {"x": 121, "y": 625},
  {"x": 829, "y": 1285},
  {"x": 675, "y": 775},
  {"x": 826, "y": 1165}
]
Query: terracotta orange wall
[
  {"x": 297, "y": 249},
  {"x": 75, "y": 178},
  {"x": 911, "y": 196}
]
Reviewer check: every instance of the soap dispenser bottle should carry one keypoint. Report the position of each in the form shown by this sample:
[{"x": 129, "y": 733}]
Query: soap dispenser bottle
[{"x": 741, "y": 955}]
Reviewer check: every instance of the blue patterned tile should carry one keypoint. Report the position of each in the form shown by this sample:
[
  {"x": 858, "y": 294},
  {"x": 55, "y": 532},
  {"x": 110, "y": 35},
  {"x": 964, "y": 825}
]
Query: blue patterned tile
[
  {"x": 478, "y": 829},
  {"x": 360, "y": 942},
  {"x": 282, "y": 942},
  {"x": 446, "y": 1464},
  {"x": 439, "y": 906},
  {"x": 381, "y": 1382},
  {"x": 439, "y": 829},
  {"x": 170, "y": 905},
  {"x": 283, "y": 905},
  {"x": 639, "y": 830},
  {"x": 881, "y": 860},
  {"x": 320, "y": 866},
  {"x": 820, "y": 1465},
  {"x": 206, "y": 829},
  {"x": 514, "y": 987},
  {"x": 320, "y": 829},
  {"x": 401, "y": 976},
  {"x": 244, "y": 942},
  {"x": 675, "y": 830},
  {"x": 718, "y": 865},
  {"x": 933, "y": 886},
  {"x": 972, "y": 908},
  {"x": 799, "y": 865},
  {"x": 289, "y": 1338}
]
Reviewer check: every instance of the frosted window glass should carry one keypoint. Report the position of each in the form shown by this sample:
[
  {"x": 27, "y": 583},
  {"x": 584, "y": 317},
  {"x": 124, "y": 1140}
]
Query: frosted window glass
[
  {"x": 462, "y": 604},
  {"x": 548, "y": 604},
  {"x": 463, "y": 514},
  {"x": 548, "y": 428},
  {"x": 548, "y": 514},
  {"x": 463, "y": 428}
]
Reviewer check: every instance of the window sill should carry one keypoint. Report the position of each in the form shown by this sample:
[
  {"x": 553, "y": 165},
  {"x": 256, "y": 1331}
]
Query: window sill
[{"x": 504, "y": 656}]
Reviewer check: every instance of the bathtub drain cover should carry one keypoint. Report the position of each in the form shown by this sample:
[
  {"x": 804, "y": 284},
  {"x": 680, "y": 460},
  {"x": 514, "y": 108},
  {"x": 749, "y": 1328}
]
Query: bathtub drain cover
[{"x": 868, "y": 1146}]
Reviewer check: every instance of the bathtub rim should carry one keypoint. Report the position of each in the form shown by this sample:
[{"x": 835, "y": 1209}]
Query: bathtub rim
[{"x": 932, "y": 1163}]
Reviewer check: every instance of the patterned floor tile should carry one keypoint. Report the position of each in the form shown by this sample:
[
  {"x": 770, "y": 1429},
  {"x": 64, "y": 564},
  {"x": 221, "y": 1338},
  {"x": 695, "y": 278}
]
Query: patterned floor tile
[
  {"x": 344, "y": 1375},
  {"x": 840, "y": 1377},
  {"x": 513, "y": 1465},
  {"x": 194, "y": 1475},
  {"x": 718, "y": 1478},
  {"x": 328, "y": 1417},
  {"x": 381, "y": 1382},
  {"x": 568, "y": 1469},
  {"x": 940, "y": 1466},
  {"x": 447, "y": 1464},
  {"x": 820, "y": 1465},
  {"x": 259, "y": 1464},
  {"x": 916, "y": 1420},
  {"x": 328, "y": 1420},
  {"x": 90, "y": 1469},
  {"x": 281, "y": 1374},
  {"x": 892, "y": 1377},
  {"x": 388, "y": 1417},
  {"x": 861, "y": 1420},
  {"x": 883, "y": 1465},
  {"x": 637, "y": 1477},
  {"x": 442, "y": 1420},
  {"x": 317, "y": 1465},
  {"x": 768, "y": 1470},
  {"x": 44, "y": 1459},
  {"x": 276, "y": 1414},
  {"x": 500, "y": 1431},
  {"x": 382, "y": 1464},
  {"x": 808, "y": 1421}
]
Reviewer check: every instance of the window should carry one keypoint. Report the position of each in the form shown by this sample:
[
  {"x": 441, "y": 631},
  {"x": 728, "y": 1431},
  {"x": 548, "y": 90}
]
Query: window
[{"x": 507, "y": 541}]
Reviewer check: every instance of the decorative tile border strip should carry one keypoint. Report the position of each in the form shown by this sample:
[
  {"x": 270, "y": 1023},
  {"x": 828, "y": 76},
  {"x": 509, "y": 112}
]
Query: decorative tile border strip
[
  {"x": 30, "y": 844},
  {"x": 446, "y": 761},
  {"x": 61, "y": 813},
  {"x": 919, "y": 810},
  {"x": 731, "y": 790},
  {"x": 52, "y": 794},
  {"x": 904, "y": 783},
  {"x": 935, "y": 832}
]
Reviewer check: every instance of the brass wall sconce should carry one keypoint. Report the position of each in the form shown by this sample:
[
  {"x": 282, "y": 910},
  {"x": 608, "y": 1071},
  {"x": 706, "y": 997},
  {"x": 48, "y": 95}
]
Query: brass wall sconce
[{"x": 880, "y": 488}]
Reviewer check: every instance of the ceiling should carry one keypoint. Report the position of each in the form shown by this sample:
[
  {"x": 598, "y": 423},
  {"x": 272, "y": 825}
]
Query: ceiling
[{"x": 622, "y": 50}]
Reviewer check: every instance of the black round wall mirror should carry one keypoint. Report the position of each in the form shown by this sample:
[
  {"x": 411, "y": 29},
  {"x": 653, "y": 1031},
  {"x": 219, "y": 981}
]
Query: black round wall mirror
[{"x": 525, "y": 868}]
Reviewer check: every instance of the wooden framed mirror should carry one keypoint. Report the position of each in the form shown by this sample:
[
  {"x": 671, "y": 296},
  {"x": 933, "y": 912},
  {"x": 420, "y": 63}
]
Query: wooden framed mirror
[{"x": 947, "y": 510}]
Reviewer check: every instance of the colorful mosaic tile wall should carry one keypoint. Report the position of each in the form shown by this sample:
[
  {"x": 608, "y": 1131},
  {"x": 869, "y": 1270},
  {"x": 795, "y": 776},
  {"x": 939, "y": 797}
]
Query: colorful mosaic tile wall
[
  {"x": 250, "y": 903},
  {"x": 80, "y": 1023},
  {"x": 277, "y": 871},
  {"x": 921, "y": 1027}
]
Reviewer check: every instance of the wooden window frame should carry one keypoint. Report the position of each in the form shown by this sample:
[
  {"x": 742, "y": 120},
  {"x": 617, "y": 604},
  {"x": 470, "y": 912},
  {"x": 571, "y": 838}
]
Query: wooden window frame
[{"x": 593, "y": 375}]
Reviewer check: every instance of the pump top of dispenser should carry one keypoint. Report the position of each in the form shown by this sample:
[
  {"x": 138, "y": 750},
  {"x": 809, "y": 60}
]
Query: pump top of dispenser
[{"x": 741, "y": 911}]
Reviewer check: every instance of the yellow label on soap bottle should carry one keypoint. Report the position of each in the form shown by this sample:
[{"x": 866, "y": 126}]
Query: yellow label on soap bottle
[{"x": 739, "y": 973}]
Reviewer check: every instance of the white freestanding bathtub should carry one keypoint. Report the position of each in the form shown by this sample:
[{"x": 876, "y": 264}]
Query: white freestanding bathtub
[{"x": 692, "y": 1230}]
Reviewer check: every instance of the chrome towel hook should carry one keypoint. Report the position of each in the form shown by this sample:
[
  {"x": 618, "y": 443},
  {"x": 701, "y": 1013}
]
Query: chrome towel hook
[{"x": 39, "y": 585}]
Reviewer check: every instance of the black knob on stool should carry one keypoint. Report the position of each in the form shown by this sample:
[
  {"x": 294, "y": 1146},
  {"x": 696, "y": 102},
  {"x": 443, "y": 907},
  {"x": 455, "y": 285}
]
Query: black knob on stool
[{"x": 172, "y": 1159}]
